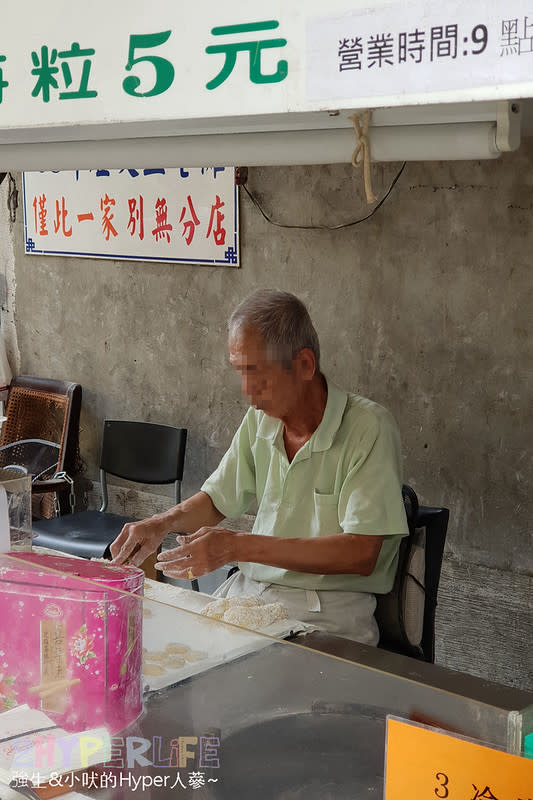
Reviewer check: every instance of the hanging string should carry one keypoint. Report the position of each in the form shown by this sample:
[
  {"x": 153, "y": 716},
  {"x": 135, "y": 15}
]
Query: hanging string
[{"x": 361, "y": 154}]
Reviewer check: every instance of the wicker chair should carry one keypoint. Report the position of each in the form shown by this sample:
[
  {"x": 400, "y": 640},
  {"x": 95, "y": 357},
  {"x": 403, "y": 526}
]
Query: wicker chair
[
  {"x": 406, "y": 615},
  {"x": 40, "y": 437}
]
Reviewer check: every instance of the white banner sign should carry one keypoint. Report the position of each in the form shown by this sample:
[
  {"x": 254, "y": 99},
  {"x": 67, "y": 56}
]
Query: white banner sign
[
  {"x": 419, "y": 48},
  {"x": 177, "y": 215},
  {"x": 115, "y": 63}
]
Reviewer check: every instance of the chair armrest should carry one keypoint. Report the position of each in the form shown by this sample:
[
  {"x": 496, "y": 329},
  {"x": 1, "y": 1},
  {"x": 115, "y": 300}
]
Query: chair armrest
[{"x": 51, "y": 485}]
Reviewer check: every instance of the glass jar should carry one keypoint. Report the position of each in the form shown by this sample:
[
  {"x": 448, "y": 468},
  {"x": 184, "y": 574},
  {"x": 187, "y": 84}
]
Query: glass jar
[{"x": 17, "y": 486}]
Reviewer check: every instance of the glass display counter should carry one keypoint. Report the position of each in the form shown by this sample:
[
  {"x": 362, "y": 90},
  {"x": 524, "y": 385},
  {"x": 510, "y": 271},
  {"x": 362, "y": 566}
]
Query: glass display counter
[{"x": 226, "y": 712}]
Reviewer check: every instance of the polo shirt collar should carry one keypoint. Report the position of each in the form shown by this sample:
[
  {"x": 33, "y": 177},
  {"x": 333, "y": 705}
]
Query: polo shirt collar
[
  {"x": 269, "y": 427},
  {"x": 322, "y": 438}
]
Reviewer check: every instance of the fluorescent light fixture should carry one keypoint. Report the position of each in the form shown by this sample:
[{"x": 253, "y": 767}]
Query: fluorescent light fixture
[{"x": 410, "y": 141}]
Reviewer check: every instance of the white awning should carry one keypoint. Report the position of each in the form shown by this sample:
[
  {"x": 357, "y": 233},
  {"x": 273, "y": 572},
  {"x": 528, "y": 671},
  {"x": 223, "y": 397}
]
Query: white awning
[{"x": 233, "y": 83}]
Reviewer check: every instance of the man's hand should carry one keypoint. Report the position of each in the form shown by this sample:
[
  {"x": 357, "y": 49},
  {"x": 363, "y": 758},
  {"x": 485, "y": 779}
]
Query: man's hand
[
  {"x": 211, "y": 548},
  {"x": 137, "y": 540},
  {"x": 200, "y": 553}
]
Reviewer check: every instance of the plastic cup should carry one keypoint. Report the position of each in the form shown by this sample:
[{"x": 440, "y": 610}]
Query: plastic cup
[{"x": 18, "y": 490}]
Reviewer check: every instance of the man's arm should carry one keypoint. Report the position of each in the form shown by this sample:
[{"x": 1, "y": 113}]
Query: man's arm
[
  {"x": 210, "y": 548},
  {"x": 138, "y": 539},
  {"x": 234, "y": 482}
]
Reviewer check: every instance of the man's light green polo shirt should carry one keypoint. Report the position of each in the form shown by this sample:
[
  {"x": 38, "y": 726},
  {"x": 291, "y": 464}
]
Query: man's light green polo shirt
[{"x": 346, "y": 478}]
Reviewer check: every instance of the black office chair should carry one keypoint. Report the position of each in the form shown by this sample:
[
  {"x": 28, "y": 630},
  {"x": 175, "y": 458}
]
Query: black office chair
[
  {"x": 141, "y": 452},
  {"x": 406, "y": 615}
]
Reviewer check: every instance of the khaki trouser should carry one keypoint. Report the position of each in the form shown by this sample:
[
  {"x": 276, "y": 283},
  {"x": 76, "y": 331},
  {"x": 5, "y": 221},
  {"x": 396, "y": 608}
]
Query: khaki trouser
[{"x": 348, "y": 614}]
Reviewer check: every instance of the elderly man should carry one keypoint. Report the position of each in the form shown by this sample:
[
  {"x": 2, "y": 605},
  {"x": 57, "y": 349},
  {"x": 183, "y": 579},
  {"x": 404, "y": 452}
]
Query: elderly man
[{"x": 325, "y": 469}]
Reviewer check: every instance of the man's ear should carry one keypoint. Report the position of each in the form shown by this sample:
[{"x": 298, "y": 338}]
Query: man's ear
[{"x": 305, "y": 363}]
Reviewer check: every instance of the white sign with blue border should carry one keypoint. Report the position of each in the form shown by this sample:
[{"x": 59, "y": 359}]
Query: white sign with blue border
[{"x": 187, "y": 215}]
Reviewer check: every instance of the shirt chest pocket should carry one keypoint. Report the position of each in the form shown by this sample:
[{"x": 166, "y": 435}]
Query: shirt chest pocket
[{"x": 326, "y": 514}]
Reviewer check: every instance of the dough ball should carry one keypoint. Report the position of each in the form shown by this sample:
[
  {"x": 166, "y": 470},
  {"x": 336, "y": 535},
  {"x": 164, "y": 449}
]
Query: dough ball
[
  {"x": 247, "y": 601},
  {"x": 153, "y": 669},
  {"x": 175, "y": 647},
  {"x": 173, "y": 661},
  {"x": 256, "y": 617},
  {"x": 194, "y": 655},
  {"x": 216, "y": 609}
]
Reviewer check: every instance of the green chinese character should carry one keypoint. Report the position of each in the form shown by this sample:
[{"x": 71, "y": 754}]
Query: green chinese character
[
  {"x": 45, "y": 72},
  {"x": 83, "y": 91},
  {"x": 254, "y": 49},
  {"x": 3, "y": 83}
]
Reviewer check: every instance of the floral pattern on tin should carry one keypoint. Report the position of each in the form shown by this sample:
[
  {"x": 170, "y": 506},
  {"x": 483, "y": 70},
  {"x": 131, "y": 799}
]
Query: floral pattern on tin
[
  {"x": 81, "y": 646},
  {"x": 99, "y": 610},
  {"x": 8, "y": 695}
]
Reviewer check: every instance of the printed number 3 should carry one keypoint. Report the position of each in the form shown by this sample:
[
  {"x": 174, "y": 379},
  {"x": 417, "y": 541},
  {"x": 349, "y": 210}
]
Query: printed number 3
[
  {"x": 164, "y": 71},
  {"x": 441, "y": 790}
]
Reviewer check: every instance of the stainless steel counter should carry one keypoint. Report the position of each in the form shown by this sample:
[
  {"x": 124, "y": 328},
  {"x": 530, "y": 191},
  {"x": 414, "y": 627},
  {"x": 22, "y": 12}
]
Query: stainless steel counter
[
  {"x": 253, "y": 716},
  {"x": 296, "y": 723}
]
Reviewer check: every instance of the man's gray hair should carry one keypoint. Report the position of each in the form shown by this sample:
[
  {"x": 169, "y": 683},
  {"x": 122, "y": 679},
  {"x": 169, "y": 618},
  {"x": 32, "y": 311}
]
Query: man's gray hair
[{"x": 283, "y": 322}]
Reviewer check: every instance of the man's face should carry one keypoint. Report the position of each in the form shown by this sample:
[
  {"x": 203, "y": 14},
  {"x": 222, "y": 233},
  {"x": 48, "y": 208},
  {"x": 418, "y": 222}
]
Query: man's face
[{"x": 265, "y": 383}]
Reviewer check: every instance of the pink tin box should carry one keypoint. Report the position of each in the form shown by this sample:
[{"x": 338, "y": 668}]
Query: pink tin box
[{"x": 71, "y": 640}]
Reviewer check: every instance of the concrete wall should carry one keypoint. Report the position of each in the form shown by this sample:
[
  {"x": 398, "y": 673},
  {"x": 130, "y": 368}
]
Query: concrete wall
[{"x": 426, "y": 308}]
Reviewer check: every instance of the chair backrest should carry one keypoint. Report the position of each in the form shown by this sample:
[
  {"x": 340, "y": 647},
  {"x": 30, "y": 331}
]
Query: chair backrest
[
  {"x": 43, "y": 411},
  {"x": 143, "y": 452},
  {"x": 406, "y": 615}
]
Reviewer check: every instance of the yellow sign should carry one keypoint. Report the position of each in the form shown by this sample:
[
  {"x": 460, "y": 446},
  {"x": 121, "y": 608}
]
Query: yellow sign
[{"x": 425, "y": 764}]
